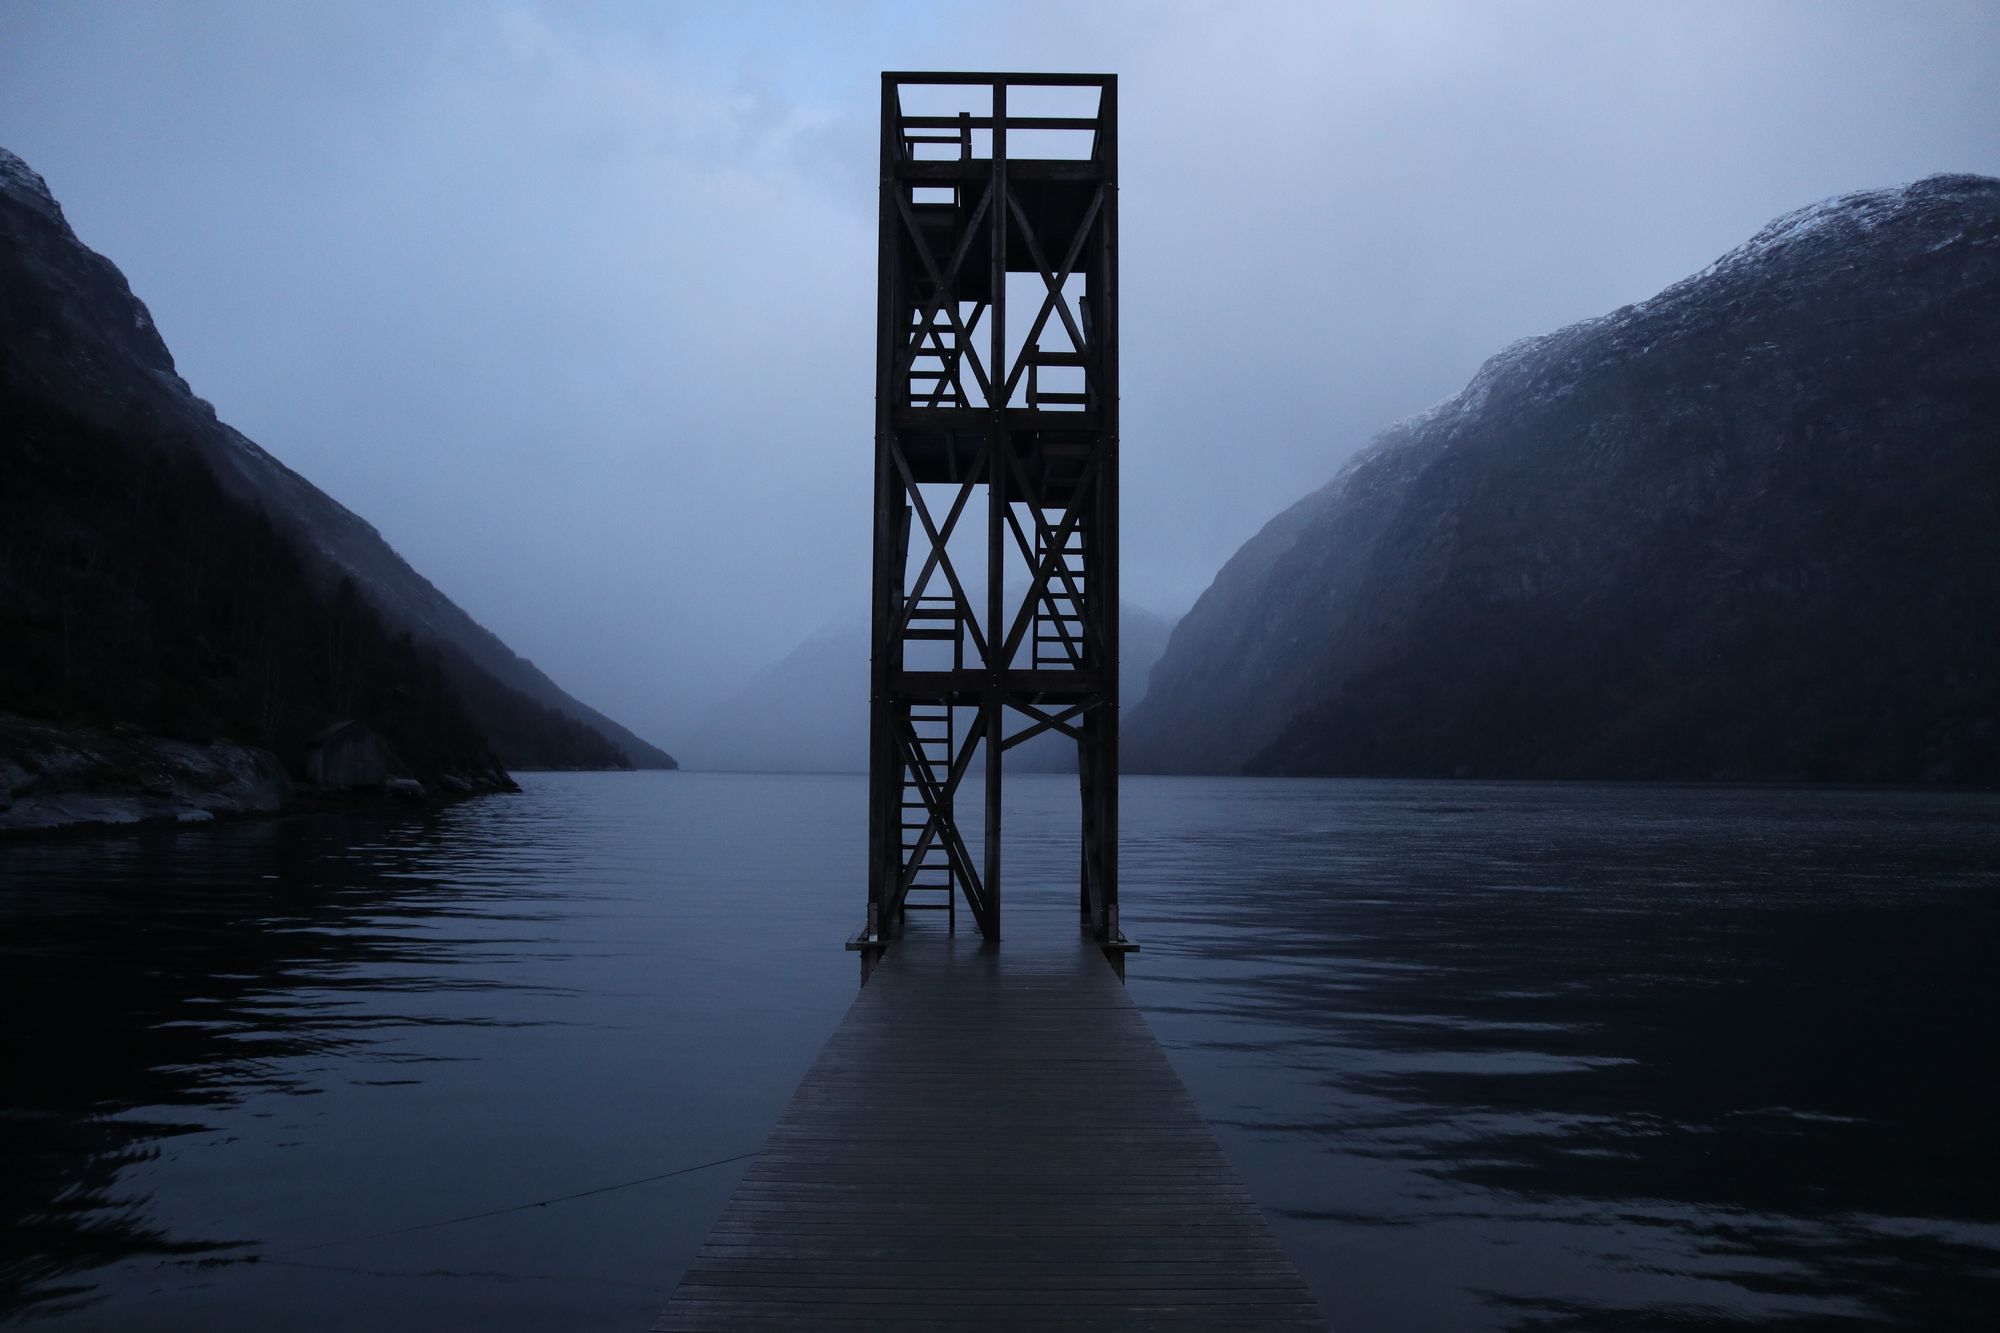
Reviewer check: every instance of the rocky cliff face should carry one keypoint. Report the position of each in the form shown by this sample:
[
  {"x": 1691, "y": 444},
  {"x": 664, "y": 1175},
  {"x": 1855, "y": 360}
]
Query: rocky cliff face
[
  {"x": 96, "y": 410},
  {"x": 1749, "y": 528}
]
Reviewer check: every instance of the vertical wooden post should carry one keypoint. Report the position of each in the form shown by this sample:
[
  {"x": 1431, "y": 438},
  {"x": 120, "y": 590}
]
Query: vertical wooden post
[
  {"x": 996, "y": 517},
  {"x": 886, "y": 579},
  {"x": 1106, "y": 571}
]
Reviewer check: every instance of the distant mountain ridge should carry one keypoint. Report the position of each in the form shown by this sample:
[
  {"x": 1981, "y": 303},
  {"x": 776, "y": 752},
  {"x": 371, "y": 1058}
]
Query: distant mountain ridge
[
  {"x": 808, "y": 711},
  {"x": 81, "y": 359},
  {"x": 1749, "y": 528}
]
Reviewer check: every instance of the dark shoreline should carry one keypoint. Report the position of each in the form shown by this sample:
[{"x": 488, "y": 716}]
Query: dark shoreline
[{"x": 319, "y": 803}]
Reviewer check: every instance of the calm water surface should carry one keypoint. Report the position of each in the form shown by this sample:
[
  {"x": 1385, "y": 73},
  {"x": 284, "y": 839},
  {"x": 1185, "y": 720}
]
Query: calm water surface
[{"x": 1494, "y": 1056}]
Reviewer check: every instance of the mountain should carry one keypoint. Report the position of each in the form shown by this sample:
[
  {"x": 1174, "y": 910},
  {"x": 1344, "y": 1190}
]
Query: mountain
[
  {"x": 161, "y": 571},
  {"x": 1142, "y": 637},
  {"x": 808, "y": 711},
  {"x": 1747, "y": 529}
]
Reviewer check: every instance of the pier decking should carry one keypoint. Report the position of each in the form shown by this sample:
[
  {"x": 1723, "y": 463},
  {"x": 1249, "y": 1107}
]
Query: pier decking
[{"x": 992, "y": 1139}]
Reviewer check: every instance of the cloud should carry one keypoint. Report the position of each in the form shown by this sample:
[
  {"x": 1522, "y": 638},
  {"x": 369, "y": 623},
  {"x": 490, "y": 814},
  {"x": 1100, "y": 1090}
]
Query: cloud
[{"x": 575, "y": 302}]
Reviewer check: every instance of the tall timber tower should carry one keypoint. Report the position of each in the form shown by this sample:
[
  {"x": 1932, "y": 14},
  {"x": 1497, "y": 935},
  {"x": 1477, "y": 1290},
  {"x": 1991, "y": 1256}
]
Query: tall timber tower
[{"x": 996, "y": 478}]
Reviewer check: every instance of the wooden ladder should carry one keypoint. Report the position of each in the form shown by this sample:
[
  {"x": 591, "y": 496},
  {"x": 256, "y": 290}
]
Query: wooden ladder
[
  {"x": 1059, "y": 615},
  {"x": 927, "y": 870}
]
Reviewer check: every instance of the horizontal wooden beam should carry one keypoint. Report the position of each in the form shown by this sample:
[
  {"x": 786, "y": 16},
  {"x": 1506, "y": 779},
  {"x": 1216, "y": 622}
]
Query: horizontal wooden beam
[
  {"x": 966, "y": 78},
  {"x": 1020, "y": 170},
  {"x": 986, "y": 123}
]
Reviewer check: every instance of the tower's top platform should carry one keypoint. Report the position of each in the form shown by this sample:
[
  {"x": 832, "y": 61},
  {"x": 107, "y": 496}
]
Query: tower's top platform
[{"x": 959, "y": 118}]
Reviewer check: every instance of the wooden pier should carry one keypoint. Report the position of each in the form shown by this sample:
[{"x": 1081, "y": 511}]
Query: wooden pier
[{"x": 992, "y": 1139}]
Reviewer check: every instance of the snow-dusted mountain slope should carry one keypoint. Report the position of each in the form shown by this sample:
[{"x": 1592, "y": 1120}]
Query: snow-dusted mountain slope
[{"x": 1747, "y": 528}]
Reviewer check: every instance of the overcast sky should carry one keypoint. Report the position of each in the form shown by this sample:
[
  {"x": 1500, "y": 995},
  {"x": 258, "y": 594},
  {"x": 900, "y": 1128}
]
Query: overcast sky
[{"x": 574, "y": 301}]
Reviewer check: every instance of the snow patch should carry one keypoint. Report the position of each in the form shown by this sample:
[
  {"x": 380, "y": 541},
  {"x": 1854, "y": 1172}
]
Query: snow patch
[
  {"x": 1842, "y": 221},
  {"x": 24, "y": 183}
]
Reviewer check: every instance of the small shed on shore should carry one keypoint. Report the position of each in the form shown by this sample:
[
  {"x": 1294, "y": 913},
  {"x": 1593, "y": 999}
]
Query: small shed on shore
[{"x": 349, "y": 754}]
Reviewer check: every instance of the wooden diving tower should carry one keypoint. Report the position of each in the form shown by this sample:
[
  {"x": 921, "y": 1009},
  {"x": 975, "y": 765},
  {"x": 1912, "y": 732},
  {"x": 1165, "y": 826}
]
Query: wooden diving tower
[
  {"x": 992, "y": 1140},
  {"x": 995, "y": 586}
]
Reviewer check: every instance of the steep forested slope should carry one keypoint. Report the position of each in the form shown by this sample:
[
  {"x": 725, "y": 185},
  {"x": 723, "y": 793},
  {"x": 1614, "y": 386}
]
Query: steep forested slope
[{"x": 159, "y": 569}]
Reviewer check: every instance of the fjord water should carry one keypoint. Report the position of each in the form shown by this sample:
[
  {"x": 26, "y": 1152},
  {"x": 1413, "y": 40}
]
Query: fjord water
[{"x": 1493, "y": 1056}]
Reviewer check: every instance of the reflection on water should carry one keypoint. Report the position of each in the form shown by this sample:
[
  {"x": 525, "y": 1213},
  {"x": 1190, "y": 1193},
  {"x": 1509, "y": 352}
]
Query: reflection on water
[
  {"x": 1495, "y": 1056},
  {"x": 1595, "y": 1058},
  {"x": 263, "y": 1038}
]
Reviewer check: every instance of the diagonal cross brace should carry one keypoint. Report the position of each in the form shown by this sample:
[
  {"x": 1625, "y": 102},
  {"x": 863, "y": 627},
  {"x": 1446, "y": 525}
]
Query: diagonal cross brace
[
  {"x": 1048, "y": 721},
  {"x": 938, "y": 821},
  {"x": 1041, "y": 591},
  {"x": 939, "y": 557},
  {"x": 943, "y": 282},
  {"x": 1054, "y": 301},
  {"x": 950, "y": 355},
  {"x": 1052, "y": 562}
]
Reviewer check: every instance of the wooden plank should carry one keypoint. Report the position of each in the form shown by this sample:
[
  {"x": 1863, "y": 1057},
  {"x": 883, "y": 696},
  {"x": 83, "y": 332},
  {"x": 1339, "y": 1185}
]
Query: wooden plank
[
  {"x": 991, "y": 1139},
  {"x": 1016, "y": 78}
]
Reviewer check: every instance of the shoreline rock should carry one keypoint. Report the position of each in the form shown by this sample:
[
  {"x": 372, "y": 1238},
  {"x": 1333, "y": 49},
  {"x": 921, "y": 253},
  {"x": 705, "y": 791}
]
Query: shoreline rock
[{"x": 59, "y": 779}]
